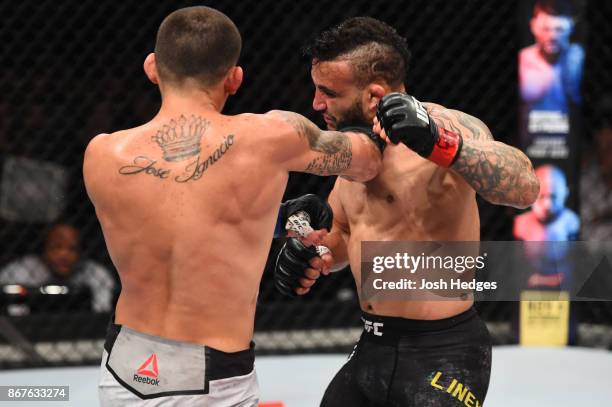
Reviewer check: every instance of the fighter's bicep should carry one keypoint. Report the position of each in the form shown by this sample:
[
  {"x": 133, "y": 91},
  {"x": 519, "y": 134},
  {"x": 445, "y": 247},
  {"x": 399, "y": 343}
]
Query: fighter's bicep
[{"x": 473, "y": 127}]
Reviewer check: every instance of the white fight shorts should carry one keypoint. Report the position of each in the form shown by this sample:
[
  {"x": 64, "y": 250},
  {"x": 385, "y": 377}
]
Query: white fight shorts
[{"x": 144, "y": 370}]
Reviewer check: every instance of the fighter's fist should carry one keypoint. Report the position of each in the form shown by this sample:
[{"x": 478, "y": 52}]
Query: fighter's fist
[
  {"x": 405, "y": 120},
  {"x": 298, "y": 267}
]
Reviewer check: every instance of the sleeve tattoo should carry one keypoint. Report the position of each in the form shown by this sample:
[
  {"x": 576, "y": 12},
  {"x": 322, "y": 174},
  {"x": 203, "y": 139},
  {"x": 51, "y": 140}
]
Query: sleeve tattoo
[
  {"x": 499, "y": 173},
  {"x": 334, "y": 147}
]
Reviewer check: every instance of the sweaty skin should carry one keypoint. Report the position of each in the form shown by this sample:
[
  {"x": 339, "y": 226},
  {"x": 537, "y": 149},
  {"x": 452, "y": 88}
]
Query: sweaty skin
[
  {"x": 188, "y": 203},
  {"x": 412, "y": 198}
]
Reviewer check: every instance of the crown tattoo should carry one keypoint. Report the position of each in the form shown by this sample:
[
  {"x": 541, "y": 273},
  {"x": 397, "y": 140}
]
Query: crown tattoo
[{"x": 180, "y": 139}]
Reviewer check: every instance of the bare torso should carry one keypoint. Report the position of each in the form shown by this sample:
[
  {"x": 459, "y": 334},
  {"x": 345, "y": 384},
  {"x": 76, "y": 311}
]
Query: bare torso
[
  {"x": 190, "y": 254},
  {"x": 188, "y": 203},
  {"x": 411, "y": 199}
]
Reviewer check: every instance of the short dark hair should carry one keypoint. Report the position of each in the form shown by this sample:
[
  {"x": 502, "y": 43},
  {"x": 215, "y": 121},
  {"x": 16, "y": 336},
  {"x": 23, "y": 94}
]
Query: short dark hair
[
  {"x": 554, "y": 7},
  {"x": 196, "y": 42},
  {"x": 376, "y": 49}
]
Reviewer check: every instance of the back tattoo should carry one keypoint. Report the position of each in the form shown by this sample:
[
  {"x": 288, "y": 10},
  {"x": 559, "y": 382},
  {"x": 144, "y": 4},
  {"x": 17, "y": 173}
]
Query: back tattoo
[{"x": 179, "y": 140}]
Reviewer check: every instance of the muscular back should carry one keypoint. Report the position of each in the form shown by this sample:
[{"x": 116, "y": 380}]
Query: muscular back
[{"x": 188, "y": 206}]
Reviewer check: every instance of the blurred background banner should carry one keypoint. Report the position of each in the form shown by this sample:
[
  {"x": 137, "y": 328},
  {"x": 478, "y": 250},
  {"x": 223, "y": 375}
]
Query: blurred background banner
[
  {"x": 551, "y": 129},
  {"x": 73, "y": 69},
  {"x": 550, "y": 71}
]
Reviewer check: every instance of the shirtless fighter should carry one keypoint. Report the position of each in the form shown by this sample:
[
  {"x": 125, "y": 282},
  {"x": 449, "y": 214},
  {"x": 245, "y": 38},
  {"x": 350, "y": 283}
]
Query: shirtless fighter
[
  {"x": 188, "y": 203},
  {"x": 425, "y": 353}
]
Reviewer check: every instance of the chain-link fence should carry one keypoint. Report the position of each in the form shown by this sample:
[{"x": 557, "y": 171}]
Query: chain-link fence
[{"x": 73, "y": 69}]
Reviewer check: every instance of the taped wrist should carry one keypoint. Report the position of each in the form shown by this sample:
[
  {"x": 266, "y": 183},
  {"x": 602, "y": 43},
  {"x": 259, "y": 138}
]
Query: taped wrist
[
  {"x": 317, "y": 209},
  {"x": 447, "y": 145},
  {"x": 380, "y": 143}
]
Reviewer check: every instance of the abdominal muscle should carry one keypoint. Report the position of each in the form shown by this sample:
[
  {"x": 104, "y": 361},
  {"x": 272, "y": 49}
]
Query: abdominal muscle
[
  {"x": 421, "y": 309},
  {"x": 429, "y": 204}
]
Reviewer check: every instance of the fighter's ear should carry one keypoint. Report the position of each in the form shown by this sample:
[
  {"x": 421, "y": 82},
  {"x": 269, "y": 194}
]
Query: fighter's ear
[
  {"x": 375, "y": 92},
  {"x": 150, "y": 68},
  {"x": 233, "y": 80}
]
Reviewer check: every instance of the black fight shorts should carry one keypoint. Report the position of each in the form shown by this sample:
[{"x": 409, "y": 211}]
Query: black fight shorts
[{"x": 415, "y": 363}]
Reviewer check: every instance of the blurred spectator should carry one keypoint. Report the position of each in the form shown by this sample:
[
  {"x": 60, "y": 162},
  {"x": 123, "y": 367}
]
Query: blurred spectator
[
  {"x": 596, "y": 180},
  {"x": 550, "y": 70},
  {"x": 548, "y": 221},
  {"x": 550, "y": 73},
  {"x": 61, "y": 263}
]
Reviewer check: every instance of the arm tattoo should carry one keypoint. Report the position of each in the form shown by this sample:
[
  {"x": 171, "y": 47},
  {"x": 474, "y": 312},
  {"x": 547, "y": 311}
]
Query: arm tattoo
[
  {"x": 499, "y": 173},
  {"x": 458, "y": 122},
  {"x": 335, "y": 147},
  {"x": 478, "y": 129}
]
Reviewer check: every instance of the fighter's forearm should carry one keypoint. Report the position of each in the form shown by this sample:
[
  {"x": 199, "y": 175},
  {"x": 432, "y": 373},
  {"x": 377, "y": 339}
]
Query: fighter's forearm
[
  {"x": 352, "y": 154},
  {"x": 499, "y": 173}
]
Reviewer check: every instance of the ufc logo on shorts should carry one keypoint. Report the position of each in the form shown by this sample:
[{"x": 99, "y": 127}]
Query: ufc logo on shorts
[
  {"x": 373, "y": 327},
  {"x": 420, "y": 111}
]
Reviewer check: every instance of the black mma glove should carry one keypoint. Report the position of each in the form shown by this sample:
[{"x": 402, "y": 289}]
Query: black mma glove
[
  {"x": 380, "y": 143},
  {"x": 317, "y": 208},
  {"x": 291, "y": 263},
  {"x": 405, "y": 120}
]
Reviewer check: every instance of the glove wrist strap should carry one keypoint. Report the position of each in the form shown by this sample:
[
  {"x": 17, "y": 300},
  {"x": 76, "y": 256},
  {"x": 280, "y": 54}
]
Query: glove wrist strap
[{"x": 447, "y": 146}]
